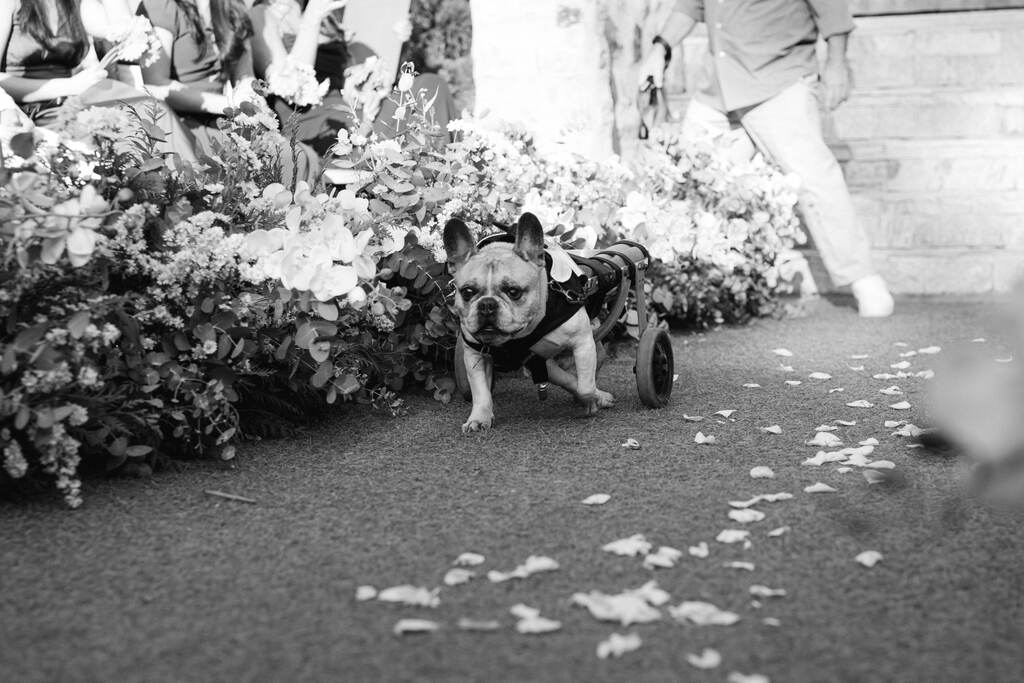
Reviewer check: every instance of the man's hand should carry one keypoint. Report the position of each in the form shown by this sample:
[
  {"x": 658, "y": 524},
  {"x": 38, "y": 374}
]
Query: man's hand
[
  {"x": 653, "y": 67},
  {"x": 835, "y": 79}
]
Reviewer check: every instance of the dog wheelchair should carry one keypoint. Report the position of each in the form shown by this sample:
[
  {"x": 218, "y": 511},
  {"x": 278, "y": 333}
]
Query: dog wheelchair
[{"x": 607, "y": 279}]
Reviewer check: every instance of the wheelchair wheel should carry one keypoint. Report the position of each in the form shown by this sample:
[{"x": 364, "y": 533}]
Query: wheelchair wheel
[
  {"x": 655, "y": 368},
  {"x": 461, "y": 378}
]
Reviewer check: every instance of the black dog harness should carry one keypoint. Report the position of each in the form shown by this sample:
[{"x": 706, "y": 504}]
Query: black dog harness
[{"x": 564, "y": 301}]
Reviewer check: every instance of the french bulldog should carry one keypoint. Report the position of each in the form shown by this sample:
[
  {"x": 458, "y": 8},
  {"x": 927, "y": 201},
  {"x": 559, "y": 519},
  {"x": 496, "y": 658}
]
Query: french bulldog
[{"x": 501, "y": 293}]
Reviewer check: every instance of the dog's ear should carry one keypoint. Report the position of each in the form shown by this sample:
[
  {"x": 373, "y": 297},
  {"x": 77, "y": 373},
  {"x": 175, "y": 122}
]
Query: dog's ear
[
  {"x": 530, "y": 239},
  {"x": 458, "y": 243}
]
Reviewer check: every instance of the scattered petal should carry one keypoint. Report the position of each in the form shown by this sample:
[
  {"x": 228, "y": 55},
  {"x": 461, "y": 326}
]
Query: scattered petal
[
  {"x": 826, "y": 428},
  {"x": 786, "y": 368},
  {"x": 410, "y": 595},
  {"x": 836, "y": 390},
  {"x": 930, "y": 350},
  {"x": 908, "y": 354},
  {"x": 630, "y": 547},
  {"x": 819, "y": 488},
  {"x": 467, "y": 624},
  {"x": 762, "y": 472},
  {"x": 751, "y": 385},
  {"x": 860, "y": 356},
  {"x": 415, "y": 626},
  {"x": 759, "y": 591},
  {"x": 892, "y": 424},
  {"x": 844, "y": 469},
  {"x": 860, "y": 404},
  {"x": 707, "y": 659},
  {"x": 699, "y": 550},
  {"x": 822, "y": 457},
  {"x": 537, "y": 625},
  {"x": 534, "y": 564},
  {"x": 521, "y": 611},
  {"x": 702, "y": 614},
  {"x": 774, "y": 429},
  {"x": 869, "y": 558},
  {"x": 908, "y": 430},
  {"x": 629, "y": 607},
  {"x": 825, "y": 440},
  {"x": 771, "y": 621},
  {"x": 874, "y": 476},
  {"x": 746, "y": 515},
  {"x": 902, "y": 365},
  {"x": 856, "y": 368},
  {"x": 596, "y": 499},
  {"x": 631, "y": 444},
  {"x": 665, "y": 558},
  {"x": 978, "y": 340},
  {"x": 692, "y": 418},
  {"x": 364, "y": 593},
  {"x": 779, "y": 531},
  {"x": 737, "y": 677},
  {"x": 901, "y": 344},
  {"x": 885, "y": 375},
  {"x": 785, "y": 353},
  {"x": 457, "y": 576},
  {"x": 793, "y": 382},
  {"x": 819, "y": 375},
  {"x": 869, "y": 442},
  {"x": 882, "y": 465},
  {"x": 846, "y": 423},
  {"x": 469, "y": 560},
  {"x": 745, "y": 566},
  {"x": 902, "y": 405},
  {"x": 1004, "y": 359},
  {"x": 732, "y": 535},
  {"x": 763, "y": 498},
  {"x": 926, "y": 374},
  {"x": 617, "y": 645},
  {"x": 891, "y": 391},
  {"x": 702, "y": 439},
  {"x": 725, "y": 413}
]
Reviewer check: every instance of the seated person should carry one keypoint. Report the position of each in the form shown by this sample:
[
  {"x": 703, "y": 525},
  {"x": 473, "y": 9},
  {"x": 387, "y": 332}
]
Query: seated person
[
  {"x": 310, "y": 32},
  {"x": 47, "y": 56}
]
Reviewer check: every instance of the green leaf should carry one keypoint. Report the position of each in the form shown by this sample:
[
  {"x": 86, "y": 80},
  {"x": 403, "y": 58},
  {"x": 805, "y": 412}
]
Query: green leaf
[
  {"x": 76, "y": 326},
  {"x": 323, "y": 374},
  {"x": 138, "y": 451}
]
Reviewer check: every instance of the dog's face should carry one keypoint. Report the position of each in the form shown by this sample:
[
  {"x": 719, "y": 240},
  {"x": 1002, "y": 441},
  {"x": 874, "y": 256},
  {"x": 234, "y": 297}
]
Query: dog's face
[{"x": 501, "y": 289}]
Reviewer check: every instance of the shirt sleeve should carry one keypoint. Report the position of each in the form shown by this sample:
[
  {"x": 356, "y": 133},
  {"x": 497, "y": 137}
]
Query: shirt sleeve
[
  {"x": 831, "y": 16},
  {"x": 691, "y": 8}
]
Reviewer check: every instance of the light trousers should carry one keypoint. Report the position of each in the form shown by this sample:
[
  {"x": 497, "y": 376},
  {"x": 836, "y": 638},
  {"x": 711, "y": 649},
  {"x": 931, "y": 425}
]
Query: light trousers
[{"x": 787, "y": 130}]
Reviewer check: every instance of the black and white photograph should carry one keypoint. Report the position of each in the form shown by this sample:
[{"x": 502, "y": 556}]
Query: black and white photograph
[{"x": 525, "y": 341}]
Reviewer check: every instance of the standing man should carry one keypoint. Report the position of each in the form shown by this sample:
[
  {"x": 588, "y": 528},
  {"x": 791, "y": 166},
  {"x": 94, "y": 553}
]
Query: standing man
[{"x": 761, "y": 76}]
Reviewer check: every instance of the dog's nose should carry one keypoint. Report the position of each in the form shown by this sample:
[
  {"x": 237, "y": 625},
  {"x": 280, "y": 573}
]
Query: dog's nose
[{"x": 488, "y": 307}]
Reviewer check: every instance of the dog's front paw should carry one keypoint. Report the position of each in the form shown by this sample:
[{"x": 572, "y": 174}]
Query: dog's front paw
[
  {"x": 477, "y": 423},
  {"x": 605, "y": 399}
]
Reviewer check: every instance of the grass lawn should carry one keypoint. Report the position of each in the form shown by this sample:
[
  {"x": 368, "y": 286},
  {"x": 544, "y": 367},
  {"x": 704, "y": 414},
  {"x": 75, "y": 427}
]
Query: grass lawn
[{"x": 152, "y": 580}]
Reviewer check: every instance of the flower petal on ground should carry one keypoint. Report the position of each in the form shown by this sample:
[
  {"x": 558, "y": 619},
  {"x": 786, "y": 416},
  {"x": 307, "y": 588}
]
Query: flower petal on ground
[
  {"x": 537, "y": 625},
  {"x": 404, "y": 626},
  {"x": 759, "y": 591},
  {"x": 737, "y": 564},
  {"x": 869, "y": 442},
  {"x": 707, "y": 659},
  {"x": 457, "y": 576},
  {"x": 617, "y": 645},
  {"x": 902, "y": 405},
  {"x": 908, "y": 429},
  {"x": 793, "y": 382},
  {"x": 751, "y": 385},
  {"x": 786, "y": 368},
  {"x": 836, "y": 390},
  {"x": 779, "y": 531},
  {"x": 902, "y": 365},
  {"x": 725, "y": 413},
  {"x": 533, "y": 565},
  {"x": 846, "y": 423},
  {"x": 364, "y": 593},
  {"x": 825, "y": 428},
  {"x": 596, "y": 499},
  {"x": 930, "y": 350},
  {"x": 702, "y": 614},
  {"x": 891, "y": 391},
  {"x": 630, "y": 547},
  {"x": 859, "y": 356},
  {"x": 665, "y": 557},
  {"x": 869, "y": 558},
  {"x": 732, "y": 535},
  {"x": 628, "y": 607},
  {"x": 469, "y": 560},
  {"x": 908, "y": 354},
  {"x": 701, "y": 438},
  {"x": 773, "y": 429},
  {"x": 746, "y": 515},
  {"x": 414, "y": 596},
  {"x": 762, "y": 472},
  {"x": 631, "y": 444},
  {"x": 785, "y": 353},
  {"x": 819, "y": 488},
  {"x": 819, "y": 375},
  {"x": 771, "y": 621},
  {"x": 521, "y": 611},
  {"x": 692, "y": 418},
  {"x": 856, "y": 368},
  {"x": 860, "y": 404},
  {"x": 699, "y": 550},
  {"x": 825, "y": 440},
  {"x": 737, "y": 677},
  {"x": 874, "y": 476}
]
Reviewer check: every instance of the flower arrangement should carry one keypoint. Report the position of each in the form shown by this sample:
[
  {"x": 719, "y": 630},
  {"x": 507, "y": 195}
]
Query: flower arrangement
[
  {"x": 296, "y": 83},
  {"x": 135, "y": 43},
  {"x": 161, "y": 310}
]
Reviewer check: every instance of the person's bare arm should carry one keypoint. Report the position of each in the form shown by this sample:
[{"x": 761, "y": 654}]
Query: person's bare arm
[
  {"x": 180, "y": 96},
  {"x": 267, "y": 46},
  {"x": 835, "y": 76},
  {"x": 685, "y": 15}
]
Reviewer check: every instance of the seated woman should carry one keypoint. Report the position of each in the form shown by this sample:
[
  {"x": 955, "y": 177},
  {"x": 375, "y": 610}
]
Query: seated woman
[
  {"x": 42, "y": 44},
  {"x": 309, "y": 32}
]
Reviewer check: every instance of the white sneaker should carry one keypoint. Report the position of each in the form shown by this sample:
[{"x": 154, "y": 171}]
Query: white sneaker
[{"x": 873, "y": 297}]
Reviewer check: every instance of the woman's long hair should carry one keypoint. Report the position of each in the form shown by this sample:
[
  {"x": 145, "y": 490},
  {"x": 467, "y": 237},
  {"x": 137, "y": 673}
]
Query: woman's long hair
[
  {"x": 70, "y": 43},
  {"x": 231, "y": 28}
]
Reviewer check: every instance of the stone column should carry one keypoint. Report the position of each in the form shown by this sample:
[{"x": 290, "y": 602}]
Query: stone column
[{"x": 545, "y": 64}]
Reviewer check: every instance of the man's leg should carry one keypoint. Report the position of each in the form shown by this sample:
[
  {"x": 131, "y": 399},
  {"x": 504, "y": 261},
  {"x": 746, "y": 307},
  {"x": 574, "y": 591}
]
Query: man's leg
[
  {"x": 787, "y": 129},
  {"x": 702, "y": 121}
]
